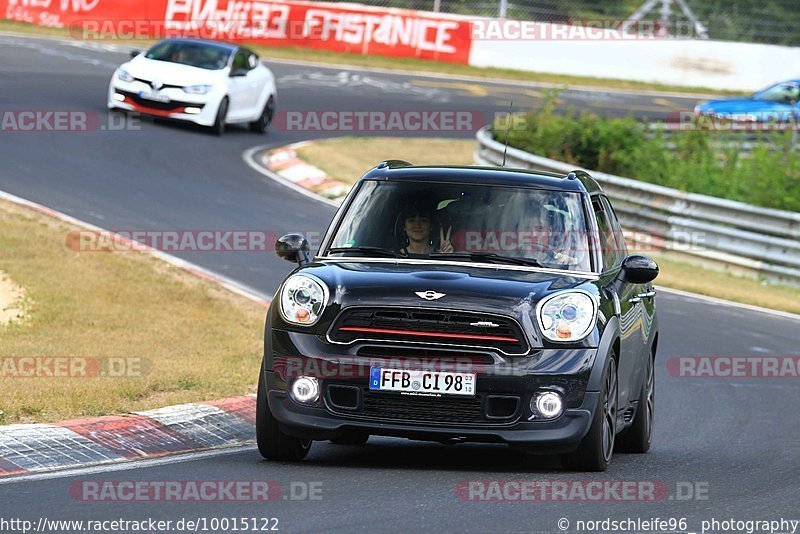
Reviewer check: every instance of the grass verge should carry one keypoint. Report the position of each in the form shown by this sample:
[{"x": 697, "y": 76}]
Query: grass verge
[
  {"x": 293, "y": 53},
  {"x": 349, "y": 157},
  {"x": 173, "y": 337}
]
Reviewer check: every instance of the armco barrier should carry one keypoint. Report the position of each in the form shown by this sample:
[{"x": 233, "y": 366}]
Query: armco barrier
[
  {"x": 745, "y": 237},
  {"x": 335, "y": 27}
]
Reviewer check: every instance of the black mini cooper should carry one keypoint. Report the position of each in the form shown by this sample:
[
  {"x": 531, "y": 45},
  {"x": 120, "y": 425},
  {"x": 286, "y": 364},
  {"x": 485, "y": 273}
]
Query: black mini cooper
[{"x": 458, "y": 304}]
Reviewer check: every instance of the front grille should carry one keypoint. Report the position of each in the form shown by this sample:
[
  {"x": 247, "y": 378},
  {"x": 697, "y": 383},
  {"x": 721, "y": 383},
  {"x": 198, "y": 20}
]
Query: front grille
[
  {"x": 445, "y": 327},
  {"x": 427, "y": 409},
  {"x": 152, "y": 104},
  {"x": 163, "y": 86},
  {"x": 361, "y": 402}
]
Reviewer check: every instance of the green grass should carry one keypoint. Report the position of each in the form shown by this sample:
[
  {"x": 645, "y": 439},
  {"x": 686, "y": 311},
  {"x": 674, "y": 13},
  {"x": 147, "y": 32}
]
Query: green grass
[
  {"x": 290, "y": 53},
  {"x": 182, "y": 339},
  {"x": 348, "y": 158}
]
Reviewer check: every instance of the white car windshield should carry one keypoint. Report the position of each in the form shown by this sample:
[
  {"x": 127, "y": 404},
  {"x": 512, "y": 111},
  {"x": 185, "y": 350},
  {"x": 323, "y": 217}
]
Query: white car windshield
[
  {"x": 465, "y": 222},
  {"x": 202, "y": 55}
]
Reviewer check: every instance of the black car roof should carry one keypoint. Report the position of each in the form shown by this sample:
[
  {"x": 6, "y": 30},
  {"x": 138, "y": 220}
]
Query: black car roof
[
  {"x": 228, "y": 47},
  {"x": 395, "y": 170}
]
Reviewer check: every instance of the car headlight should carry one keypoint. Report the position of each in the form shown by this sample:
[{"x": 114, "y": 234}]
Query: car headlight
[
  {"x": 302, "y": 299},
  {"x": 197, "y": 89},
  {"x": 567, "y": 316},
  {"x": 125, "y": 76}
]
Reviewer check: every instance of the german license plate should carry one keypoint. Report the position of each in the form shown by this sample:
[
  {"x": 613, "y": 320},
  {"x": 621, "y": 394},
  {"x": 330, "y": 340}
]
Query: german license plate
[
  {"x": 157, "y": 97},
  {"x": 421, "y": 382}
]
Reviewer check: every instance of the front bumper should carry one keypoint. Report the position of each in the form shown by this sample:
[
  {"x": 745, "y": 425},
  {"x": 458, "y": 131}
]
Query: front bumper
[
  {"x": 175, "y": 110},
  {"x": 448, "y": 419}
]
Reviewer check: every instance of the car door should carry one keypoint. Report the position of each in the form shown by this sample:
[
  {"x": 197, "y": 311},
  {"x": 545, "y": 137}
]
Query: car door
[
  {"x": 245, "y": 86},
  {"x": 629, "y": 304}
]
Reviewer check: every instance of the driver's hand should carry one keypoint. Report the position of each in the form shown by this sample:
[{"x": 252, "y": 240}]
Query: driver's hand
[
  {"x": 565, "y": 259},
  {"x": 444, "y": 241}
]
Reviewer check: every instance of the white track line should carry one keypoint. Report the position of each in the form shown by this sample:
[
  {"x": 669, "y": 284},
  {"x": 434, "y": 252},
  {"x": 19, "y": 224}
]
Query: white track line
[{"x": 126, "y": 465}]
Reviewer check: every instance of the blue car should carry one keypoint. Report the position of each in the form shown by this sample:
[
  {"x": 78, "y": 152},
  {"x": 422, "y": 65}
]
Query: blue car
[{"x": 778, "y": 102}]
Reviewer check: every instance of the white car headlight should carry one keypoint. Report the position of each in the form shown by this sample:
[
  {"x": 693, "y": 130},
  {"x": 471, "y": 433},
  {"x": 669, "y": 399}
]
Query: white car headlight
[
  {"x": 197, "y": 89},
  {"x": 125, "y": 76},
  {"x": 567, "y": 316},
  {"x": 302, "y": 299}
]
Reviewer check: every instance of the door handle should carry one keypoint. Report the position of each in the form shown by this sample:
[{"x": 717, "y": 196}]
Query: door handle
[{"x": 643, "y": 295}]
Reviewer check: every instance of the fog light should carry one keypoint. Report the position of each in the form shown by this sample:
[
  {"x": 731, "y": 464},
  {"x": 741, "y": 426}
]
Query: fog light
[
  {"x": 192, "y": 111},
  {"x": 118, "y": 97},
  {"x": 548, "y": 405},
  {"x": 305, "y": 390}
]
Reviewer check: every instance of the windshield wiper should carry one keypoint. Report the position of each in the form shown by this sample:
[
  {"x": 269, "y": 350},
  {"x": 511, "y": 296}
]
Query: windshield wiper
[
  {"x": 490, "y": 257},
  {"x": 376, "y": 251}
]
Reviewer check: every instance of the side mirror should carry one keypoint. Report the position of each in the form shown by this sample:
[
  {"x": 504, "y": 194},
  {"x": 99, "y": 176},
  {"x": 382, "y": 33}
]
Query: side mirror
[
  {"x": 638, "y": 269},
  {"x": 135, "y": 53},
  {"x": 236, "y": 73},
  {"x": 294, "y": 248}
]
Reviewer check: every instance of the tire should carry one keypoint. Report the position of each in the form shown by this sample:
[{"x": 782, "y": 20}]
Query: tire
[
  {"x": 638, "y": 437},
  {"x": 355, "y": 438},
  {"x": 597, "y": 448},
  {"x": 219, "y": 123},
  {"x": 264, "y": 122},
  {"x": 273, "y": 444}
]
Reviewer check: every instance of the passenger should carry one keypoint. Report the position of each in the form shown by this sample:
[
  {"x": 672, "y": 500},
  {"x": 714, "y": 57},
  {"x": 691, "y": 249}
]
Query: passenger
[{"x": 418, "y": 221}]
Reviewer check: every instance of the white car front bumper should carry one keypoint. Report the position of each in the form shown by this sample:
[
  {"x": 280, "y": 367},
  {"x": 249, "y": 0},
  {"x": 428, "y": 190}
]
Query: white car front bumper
[{"x": 202, "y": 109}]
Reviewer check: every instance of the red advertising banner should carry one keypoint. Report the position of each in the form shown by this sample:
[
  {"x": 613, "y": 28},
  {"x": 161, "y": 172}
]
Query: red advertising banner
[{"x": 348, "y": 28}]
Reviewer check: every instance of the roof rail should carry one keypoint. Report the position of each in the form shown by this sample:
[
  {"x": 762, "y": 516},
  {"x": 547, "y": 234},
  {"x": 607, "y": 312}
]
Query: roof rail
[{"x": 393, "y": 164}]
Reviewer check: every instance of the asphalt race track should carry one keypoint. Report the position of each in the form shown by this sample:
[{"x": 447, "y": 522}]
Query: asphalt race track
[{"x": 733, "y": 441}]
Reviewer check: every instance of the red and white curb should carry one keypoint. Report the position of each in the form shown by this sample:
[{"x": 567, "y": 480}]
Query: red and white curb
[
  {"x": 33, "y": 448},
  {"x": 285, "y": 163}
]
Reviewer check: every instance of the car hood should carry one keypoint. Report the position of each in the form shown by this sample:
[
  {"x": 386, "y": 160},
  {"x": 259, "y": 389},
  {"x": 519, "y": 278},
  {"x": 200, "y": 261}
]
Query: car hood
[
  {"x": 742, "y": 105},
  {"x": 499, "y": 291},
  {"x": 172, "y": 73}
]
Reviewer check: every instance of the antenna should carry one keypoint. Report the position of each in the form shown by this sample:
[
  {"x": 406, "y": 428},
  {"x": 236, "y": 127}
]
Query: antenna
[{"x": 508, "y": 125}]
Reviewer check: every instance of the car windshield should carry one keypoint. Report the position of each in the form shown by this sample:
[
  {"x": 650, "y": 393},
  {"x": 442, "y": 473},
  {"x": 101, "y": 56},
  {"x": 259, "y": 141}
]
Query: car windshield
[
  {"x": 202, "y": 55},
  {"x": 464, "y": 222},
  {"x": 782, "y": 92}
]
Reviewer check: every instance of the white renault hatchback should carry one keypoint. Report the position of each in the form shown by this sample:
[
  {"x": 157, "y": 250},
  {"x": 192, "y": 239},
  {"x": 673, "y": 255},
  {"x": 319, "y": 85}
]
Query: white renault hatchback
[{"x": 209, "y": 83}]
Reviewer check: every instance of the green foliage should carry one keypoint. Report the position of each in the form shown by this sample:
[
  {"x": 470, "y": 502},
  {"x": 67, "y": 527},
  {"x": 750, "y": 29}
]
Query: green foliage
[{"x": 711, "y": 163}]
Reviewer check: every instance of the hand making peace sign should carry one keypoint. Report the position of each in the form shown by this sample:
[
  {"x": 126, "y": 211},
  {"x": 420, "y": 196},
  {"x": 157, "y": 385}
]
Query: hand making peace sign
[{"x": 444, "y": 240}]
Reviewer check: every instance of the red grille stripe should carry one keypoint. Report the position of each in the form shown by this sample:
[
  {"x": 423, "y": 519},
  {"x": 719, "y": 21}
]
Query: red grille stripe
[
  {"x": 427, "y": 334},
  {"x": 154, "y": 111}
]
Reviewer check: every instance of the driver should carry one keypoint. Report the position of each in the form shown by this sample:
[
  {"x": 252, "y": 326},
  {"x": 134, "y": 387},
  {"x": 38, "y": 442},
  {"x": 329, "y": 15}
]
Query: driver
[
  {"x": 418, "y": 222},
  {"x": 559, "y": 245}
]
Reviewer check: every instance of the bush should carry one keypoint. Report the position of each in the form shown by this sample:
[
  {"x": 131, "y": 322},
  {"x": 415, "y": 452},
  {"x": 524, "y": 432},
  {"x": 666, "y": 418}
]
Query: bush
[{"x": 692, "y": 161}]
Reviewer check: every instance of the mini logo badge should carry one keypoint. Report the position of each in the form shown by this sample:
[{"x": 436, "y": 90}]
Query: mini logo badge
[
  {"x": 429, "y": 295},
  {"x": 157, "y": 84}
]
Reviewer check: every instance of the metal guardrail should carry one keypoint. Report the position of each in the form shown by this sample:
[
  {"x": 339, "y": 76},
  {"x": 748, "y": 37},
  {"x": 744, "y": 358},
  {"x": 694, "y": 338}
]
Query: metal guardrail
[
  {"x": 744, "y": 141},
  {"x": 734, "y": 234}
]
